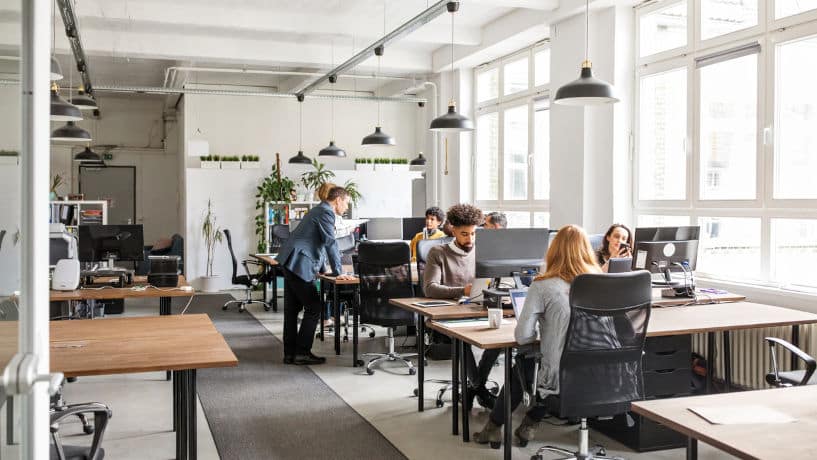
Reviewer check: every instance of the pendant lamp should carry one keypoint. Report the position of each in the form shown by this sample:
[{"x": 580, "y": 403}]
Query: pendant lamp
[
  {"x": 300, "y": 158},
  {"x": 419, "y": 161},
  {"x": 56, "y": 72},
  {"x": 332, "y": 150},
  {"x": 451, "y": 121},
  {"x": 70, "y": 133},
  {"x": 82, "y": 101},
  {"x": 61, "y": 110},
  {"x": 88, "y": 156},
  {"x": 586, "y": 90},
  {"x": 378, "y": 137}
]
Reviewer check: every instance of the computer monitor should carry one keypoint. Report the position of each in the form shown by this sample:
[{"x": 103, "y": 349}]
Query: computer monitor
[
  {"x": 501, "y": 252},
  {"x": 111, "y": 242},
  {"x": 413, "y": 226},
  {"x": 664, "y": 250},
  {"x": 384, "y": 228}
]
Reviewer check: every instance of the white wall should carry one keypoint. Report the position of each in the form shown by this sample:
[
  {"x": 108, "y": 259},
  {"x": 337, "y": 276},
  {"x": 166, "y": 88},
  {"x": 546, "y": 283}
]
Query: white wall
[
  {"x": 10, "y": 192},
  {"x": 238, "y": 125}
]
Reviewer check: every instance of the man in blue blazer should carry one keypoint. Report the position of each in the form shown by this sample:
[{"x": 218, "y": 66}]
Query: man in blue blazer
[{"x": 309, "y": 247}]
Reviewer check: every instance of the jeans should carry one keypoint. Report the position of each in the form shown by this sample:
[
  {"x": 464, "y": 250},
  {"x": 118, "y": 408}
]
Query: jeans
[
  {"x": 536, "y": 412},
  {"x": 300, "y": 295}
]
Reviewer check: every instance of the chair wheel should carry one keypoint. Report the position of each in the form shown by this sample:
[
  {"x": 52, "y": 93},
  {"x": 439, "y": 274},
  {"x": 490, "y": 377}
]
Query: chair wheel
[
  {"x": 346, "y": 339},
  {"x": 371, "y": 334},
  {"x": 495, "y": 445},
  {"x": 88, "y": 429},
  {"x": 266, "y": 308},
  {"x": 241, "y": 309},
  {"x": 359, "y": 362},
  {"x": 224, "y": 308},
  {"x": 370, "y": 371},
  {"x": 412, "y": 371},
  {"x": 416, "y": 392},
  {"x": 440, "y": 403}
]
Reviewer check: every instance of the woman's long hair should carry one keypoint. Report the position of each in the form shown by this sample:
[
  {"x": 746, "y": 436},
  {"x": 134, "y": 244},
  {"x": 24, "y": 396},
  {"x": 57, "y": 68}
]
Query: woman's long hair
[{"x": 569, "y": 255}]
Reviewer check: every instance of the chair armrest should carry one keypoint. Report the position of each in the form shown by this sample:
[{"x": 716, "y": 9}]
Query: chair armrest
[
  {"x": 811, "y": 363},
  {"x": 101, "y": 416},
  {"x": 74, "y": 409}
]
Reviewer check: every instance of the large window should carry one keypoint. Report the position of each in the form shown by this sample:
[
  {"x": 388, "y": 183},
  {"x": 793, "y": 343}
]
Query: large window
[
  {"x": 511, "y": 161},
  {"x": 725, "y": 133}
]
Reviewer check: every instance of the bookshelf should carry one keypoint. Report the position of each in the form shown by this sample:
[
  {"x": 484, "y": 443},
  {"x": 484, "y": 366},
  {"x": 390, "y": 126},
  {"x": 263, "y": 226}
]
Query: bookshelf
[
  {"x": 76, "y": 213},
  {"x": 280, "y": 212}
]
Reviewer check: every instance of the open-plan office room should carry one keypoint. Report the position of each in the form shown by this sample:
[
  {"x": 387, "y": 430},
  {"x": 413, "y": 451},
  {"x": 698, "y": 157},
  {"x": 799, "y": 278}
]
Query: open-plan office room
[{"x": 407, "y": 229}]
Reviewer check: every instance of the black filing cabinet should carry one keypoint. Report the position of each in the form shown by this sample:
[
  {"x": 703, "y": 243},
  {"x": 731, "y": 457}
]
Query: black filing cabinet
[{"x": 667, "y": 374}]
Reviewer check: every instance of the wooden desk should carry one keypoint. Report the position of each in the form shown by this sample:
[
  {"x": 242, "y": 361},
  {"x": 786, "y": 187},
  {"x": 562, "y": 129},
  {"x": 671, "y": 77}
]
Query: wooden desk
[
  {"x": 182, "y": 343},
  {"x": 164, "y": 294},
  {"x": 658, "y": 301},
  {"x": 751, "y": 441},
  {"x": 271, "y": 269}
]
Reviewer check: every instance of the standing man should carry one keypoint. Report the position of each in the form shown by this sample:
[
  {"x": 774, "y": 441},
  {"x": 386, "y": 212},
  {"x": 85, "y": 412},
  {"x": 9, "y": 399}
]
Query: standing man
[{"x": 309, "y": 247}]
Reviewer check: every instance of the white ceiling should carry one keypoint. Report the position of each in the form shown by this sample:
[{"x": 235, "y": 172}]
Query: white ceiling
[{"x": 133, "y": 42}]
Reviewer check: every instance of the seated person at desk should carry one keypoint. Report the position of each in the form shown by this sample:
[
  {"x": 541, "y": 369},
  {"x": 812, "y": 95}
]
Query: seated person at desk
[
  {"x": 450, "y": 270},
  {"x": 617, "y": 242},
  {"x": 547, "y": 306},
  {"x": 495, "y": 220},
  {"x": 434, "y": 218}
]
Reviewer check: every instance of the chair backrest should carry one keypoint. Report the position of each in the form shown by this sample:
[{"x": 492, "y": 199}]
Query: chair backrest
[
  {"x": 385, "y": 273},
  {"x": 423, "y": 247},
  {"x": 232, "y": 255},
  {"x": 346, "y": 246},
  {"x": 600, "y": 371},
  {"x": 280, "y": 233}
]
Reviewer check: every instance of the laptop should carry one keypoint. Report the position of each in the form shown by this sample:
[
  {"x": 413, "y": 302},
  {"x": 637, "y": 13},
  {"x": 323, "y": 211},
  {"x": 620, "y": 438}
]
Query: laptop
[
  {"x": 620, "y": 265},
  {"x": 517, "y": 300}
]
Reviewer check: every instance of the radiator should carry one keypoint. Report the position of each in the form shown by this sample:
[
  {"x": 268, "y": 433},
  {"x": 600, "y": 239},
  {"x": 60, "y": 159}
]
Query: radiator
[{"x": 751, "y": 359}]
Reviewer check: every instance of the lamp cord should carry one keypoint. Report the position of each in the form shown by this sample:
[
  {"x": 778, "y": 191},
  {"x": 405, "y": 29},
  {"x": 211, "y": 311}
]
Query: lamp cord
[
  {"x": 452, "y": 56},
  {"x": 300, "y": 126},
  {"x": 333, "y": 92},
  {"x": 587, "y": 30}
]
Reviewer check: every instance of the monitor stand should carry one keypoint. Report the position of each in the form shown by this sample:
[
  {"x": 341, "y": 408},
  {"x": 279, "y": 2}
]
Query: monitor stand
[
  {"x": 109, "y": 270},
  {"x": 667, "y": 280}
]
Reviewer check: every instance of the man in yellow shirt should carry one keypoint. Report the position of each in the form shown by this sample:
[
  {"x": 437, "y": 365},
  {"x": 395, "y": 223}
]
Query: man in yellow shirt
[{"x": 434, "y": 217}]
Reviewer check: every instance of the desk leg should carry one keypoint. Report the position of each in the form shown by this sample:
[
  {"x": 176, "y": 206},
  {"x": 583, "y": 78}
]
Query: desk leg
[
  {"x": 176, "y": 410},
  {"x": 323, "y": 310},
  {"x": 274, "y": 289},
  {"x": 692, "y": 449},
  {"x": 192, "y": 435},
  {"x": 336, "y": 312},
  {"x": 795, "y": 340},
  {"x": 265, "y": 286},
  {"x": 455, "y": 386},
  {"x": 355, "y": 328},
  {"x": 466, "y": 431},
  {"x": 421, "y": 358},
  {"x": 181, "y": 433},
  {"x": 710, "y": 361},
  {"x": 10, "y": 420},
  {"x": 164, "y": 310},
  {"x": 727, "y": 361},
  {"x": 507, "y": 428}
]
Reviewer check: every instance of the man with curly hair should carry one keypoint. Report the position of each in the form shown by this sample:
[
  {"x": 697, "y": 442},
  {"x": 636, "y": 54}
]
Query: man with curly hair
[{"x": 449, "y": 274}]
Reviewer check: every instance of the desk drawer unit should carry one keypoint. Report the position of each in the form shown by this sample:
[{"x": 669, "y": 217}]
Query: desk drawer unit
[{"x": 667, "y": 373}]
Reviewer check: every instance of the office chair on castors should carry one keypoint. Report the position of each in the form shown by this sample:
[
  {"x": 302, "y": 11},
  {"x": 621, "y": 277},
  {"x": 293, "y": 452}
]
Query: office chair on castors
[
  {"x": 790, "y": 378},
  {"x": 250, "y": 281},
  {"x": 600, "y": 370}
]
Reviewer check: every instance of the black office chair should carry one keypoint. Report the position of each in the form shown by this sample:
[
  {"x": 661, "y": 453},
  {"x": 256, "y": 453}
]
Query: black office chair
[
  {"x": 779, "y": 379},
  {"x": 600, "y": 371},
  {"x": 385, "y": 273},
  {"x": 250, "y": 281},
  {"x": 101, "y": 415},
  {"x": 423, "y": 247}
]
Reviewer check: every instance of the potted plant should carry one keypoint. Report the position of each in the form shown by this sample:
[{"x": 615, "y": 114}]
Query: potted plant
[
  {"x": 250, "y": 162},
  {"x": 209, "y": 162},
  {"x": 212, "y": 236},
  {"x": 313, "y": 180},
  {"x": 364, "y": 164},
  {"x": 274, "y": 188},
  {"x": 230, "y": 162},
  {"x": 399, "y": 164},
  {"x": 382, "y": 164},
  {"x": 355, "y": 196},
  {"x": 56, "y": 183},
  {"x": 9, "y": 157}
]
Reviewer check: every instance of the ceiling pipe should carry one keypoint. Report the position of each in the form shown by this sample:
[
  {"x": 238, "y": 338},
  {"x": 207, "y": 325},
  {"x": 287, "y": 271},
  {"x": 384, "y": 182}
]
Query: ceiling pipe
[
  {"x": 170, "y": 73},
  {"x": 406, "y": 28},
  {"x": 69, "y": 19}
]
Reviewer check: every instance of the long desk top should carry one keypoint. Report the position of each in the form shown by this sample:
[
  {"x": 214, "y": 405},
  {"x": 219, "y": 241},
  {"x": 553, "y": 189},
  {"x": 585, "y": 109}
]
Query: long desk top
[
  {"x": 127, "y": 345},
  {"x": 755, "y": 441},
  {"x": 122, "y": 293},
  {"x": 455, "y": 311},
  {"x": 664, "y": 321}
]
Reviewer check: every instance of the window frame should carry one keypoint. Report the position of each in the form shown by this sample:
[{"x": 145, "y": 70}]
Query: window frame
[{"x": 499, "y": 105}]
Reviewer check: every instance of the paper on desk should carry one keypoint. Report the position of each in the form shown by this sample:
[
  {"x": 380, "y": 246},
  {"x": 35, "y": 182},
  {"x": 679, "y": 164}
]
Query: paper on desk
[
  {"x": 471, "y": 323},
  {"x": 741, "y": 415}
]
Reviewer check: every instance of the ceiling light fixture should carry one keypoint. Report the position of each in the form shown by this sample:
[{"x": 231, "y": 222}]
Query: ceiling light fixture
[
  {"x": 378, "y": 137},
  {"x": 332, "y": 150},
  {"x": 300, "y": 158},
  {"x": 82, "y": 101},
  {"x": 62, "y": 110},
  {"x": 56, "y": 72},
  {"x": 70, "y": 133},
  {"x": 451, "y": 121},
  {"x": 586, "y": 90},
  {"x": 419, "y": 161},
  {"x": 88, "y": 156}
]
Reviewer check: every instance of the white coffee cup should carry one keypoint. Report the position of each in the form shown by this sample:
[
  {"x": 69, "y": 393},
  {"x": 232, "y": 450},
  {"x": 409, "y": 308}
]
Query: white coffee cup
[{"x": 494, "y": 318}]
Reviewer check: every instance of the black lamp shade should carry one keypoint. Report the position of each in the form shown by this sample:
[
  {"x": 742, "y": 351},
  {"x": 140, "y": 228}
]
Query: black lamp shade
[
  {"x": 586, "y": 90},
  {"x": 61, "y": 110},
  {"x": 419, "y": 161},
  {"x": 378, "y": 137},
  {"x": 451, "y": 121},
  {"x": 300, "y": 159},
  {"x": 70, "y": 133},
  {"x": 332, "y": 150},
  {"x": 83, "y": 101},
  {"x": 88, "y": 156},
  {"x": 56, "y": 72}
]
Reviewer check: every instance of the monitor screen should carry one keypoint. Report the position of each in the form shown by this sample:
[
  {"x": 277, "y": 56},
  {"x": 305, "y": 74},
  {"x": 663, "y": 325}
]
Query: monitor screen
[
  {"x": 120, "y": 242},
  {"x": 501, "y": 252},
  {"x": 384, "y": 228},
  {"x": 413, "y": 226},
  {"x": 662, "y": 256},
  {"x": 684, "y": 233}
]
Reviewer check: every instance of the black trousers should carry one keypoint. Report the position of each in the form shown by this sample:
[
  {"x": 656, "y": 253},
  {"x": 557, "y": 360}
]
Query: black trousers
[
  {"x": 300, "y": 295},
  {"x": 478, "y": 374},
  {"x": 537, "y": 412}
]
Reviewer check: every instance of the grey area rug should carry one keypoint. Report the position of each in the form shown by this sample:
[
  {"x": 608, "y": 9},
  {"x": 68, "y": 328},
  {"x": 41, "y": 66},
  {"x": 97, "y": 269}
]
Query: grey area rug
[{"x": 264, "y": 409}]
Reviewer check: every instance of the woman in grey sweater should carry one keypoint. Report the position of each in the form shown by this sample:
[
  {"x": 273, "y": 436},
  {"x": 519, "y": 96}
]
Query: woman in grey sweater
[{"x": 544, "y": 317}]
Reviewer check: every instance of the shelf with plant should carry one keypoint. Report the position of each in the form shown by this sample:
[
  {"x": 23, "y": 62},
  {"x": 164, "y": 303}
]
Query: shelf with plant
[
  {"x": 275, "y": 188},
  {"x": 312, "y": 180},
  {"x": 364, "y": 164},
  {"x": 210, "y": 162},
  {"x": 250, "y": 162},
  {"x": 230, "y": 162},
  {"x": 9, "y": 157},
  {"x": 399, "y": 164},
  {"x": 382, "y": 164}
]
